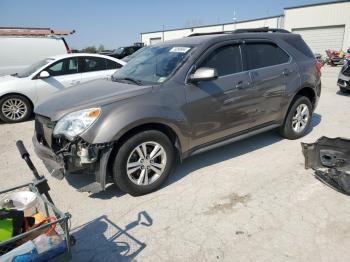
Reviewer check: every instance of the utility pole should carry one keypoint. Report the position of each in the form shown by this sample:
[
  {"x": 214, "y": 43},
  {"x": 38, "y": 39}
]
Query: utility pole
[
  {"x": 234, "y": 18},
  {"x": 163, "y": 33}
]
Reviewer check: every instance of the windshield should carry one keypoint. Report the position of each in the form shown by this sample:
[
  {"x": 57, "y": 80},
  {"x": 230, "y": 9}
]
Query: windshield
[
  {"x": 32, "y": 68},
  {"x": 119, "y": 50},
  {"x": 154, "y": 64}
]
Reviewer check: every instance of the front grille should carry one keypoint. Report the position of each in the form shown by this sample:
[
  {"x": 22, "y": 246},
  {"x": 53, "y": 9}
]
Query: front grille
[{"x": 44, "y": 129}]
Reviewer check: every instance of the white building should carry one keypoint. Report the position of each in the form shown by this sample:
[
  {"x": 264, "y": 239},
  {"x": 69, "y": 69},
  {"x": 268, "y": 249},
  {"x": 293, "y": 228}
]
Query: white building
[{"x": 323, "y": 26}]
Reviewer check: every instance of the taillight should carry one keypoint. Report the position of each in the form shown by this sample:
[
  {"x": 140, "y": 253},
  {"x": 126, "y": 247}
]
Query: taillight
[{"x": 318, "y": 66}]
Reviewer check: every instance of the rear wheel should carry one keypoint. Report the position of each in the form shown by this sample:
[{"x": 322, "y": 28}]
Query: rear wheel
[
  {"x": 15, "y": 109},
  {"x": 143, "y": 162},
  {"x": 298, "y": 119}
]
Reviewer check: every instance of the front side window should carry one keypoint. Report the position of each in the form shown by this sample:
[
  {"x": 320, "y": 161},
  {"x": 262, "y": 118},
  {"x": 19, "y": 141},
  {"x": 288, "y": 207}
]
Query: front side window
[
  {"x": 64, "y": 67},
  {"x": 154, "y": 65},
  {"x": 264, "y": 54},
  {"x": 227, "y": 60}
]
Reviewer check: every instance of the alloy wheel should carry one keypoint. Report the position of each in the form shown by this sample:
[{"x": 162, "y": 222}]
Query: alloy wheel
[
  {"x": 146, "y": 163},
  {"x": 300, "y": 118},
  {"x": 14, "y": 109}
]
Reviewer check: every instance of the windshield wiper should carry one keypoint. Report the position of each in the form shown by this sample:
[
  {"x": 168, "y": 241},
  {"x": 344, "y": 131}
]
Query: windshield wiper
[
  {"x": 135, "y": 81},
  {"x": 15, "y": 74}
]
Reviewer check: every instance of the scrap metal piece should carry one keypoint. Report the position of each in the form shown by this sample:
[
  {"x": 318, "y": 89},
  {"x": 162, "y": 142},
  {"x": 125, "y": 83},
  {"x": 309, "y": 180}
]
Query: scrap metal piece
[
  {"x": 327, "y": 153},
  {"x": 330, "y": 158}
]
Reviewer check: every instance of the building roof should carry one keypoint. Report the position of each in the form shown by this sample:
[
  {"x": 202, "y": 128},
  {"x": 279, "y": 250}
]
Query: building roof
[
  {"x": 32, "y": 31},
  {"x": 222, "y": 24},
  {"x": 317, "y": 4}
]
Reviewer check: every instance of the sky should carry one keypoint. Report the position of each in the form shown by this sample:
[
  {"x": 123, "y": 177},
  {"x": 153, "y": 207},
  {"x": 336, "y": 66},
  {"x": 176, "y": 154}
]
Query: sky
[{"x": 115, "y": 23}]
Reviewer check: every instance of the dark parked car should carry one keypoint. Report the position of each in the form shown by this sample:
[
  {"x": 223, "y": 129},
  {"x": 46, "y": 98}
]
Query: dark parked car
[
  {"x": 177, "y": 99},
  {"x": 122, "y": 52}
]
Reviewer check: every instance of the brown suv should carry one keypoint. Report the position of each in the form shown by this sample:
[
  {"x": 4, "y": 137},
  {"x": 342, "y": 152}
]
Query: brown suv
[{"x": 177, "y": 99}]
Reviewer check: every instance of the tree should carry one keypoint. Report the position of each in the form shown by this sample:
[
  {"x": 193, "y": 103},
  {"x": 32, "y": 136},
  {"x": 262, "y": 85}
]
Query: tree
[
  {"x": 101, "y": 48},
  {"x": 89, "y": 49}
]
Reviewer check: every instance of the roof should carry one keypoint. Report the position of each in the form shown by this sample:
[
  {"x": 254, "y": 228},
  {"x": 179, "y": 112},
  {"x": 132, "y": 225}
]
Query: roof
[
  {"x": 317, "y": 4},
  {"x": 222, "y": 24},
  {"x": 32, "y": 31},
  {"x": 57, "y": 57}
]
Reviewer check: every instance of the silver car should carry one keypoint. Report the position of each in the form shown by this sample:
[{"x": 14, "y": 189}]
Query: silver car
[{"x": 344, "y": 78}]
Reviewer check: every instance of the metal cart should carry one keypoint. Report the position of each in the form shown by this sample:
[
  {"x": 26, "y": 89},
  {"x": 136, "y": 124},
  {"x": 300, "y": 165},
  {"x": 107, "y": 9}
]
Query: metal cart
[{"x": 46, "y": 206}]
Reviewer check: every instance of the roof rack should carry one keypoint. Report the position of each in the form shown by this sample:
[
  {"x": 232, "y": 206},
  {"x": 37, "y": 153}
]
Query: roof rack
[
  {"x": 260, "y": 30},
  {"x": 29, "y": 31},
  {"x": 248, "y": 30}
]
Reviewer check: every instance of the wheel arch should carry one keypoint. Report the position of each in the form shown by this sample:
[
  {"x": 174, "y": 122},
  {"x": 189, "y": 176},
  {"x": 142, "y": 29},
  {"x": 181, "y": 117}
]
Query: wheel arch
[
  {"x": 164, "y": 128},
  {"x": 18, "y": 94},
  {"x": 306, "y": 91}
]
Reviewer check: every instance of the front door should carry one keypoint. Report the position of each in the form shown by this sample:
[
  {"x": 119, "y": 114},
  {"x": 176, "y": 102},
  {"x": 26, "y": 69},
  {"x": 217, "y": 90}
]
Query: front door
[
  {"x": 222, "y": 107},
  {"x": 63, "y": 74}
]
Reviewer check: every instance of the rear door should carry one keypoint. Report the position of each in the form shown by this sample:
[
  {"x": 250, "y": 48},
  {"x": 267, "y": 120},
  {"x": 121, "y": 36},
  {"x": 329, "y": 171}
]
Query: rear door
[
  {"x": 63, "y": 74},
  {"x": 97, "y": 68},
  {"x": 221, "y": 107},
  {"x": 272, "y": 72}
]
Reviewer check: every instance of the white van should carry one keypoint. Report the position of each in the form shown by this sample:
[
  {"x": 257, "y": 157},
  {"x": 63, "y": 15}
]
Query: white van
[{"x": 18, "y": 52}]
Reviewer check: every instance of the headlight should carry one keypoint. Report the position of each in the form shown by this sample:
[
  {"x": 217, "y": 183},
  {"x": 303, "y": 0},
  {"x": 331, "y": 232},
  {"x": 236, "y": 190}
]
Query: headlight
[{"x": 75, "y": 123}]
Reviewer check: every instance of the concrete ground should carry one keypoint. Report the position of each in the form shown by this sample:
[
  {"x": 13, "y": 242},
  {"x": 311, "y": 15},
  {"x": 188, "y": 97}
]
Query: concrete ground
[{"x": 248, "y": 201}]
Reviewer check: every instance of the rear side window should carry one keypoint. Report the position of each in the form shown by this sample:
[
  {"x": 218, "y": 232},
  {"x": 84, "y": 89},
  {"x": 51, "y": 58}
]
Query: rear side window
[
  {"x": 226, "y": 60},
  {"x": 112, "y": 65},
  {"x": 91, "y": 64},
  {"x": 260, "y": 55},
  {"x": 298, "y": 43}
]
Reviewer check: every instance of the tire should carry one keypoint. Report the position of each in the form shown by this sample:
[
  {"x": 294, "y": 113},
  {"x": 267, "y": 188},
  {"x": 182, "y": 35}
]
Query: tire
[
  {"x": 344, "y": 90},
  {"x": 130, "y": 179},
  {"x": 289, "y": 129},
  {"x": 20, "y": 103}
]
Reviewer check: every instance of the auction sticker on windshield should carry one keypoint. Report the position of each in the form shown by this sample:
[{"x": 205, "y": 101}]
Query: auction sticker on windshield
[{"x": 179, "y": 49}]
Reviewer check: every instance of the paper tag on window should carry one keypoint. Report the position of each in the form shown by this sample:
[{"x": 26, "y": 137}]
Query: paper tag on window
[{"x": 179, "y": 49}]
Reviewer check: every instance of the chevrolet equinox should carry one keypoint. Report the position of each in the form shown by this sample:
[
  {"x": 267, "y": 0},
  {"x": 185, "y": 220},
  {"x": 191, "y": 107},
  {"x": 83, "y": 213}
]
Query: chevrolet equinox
[{"x": 177, "y": 99}]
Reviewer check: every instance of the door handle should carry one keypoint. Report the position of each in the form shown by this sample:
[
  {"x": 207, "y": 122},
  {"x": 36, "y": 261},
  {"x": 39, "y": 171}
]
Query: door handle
[
  {"x": 242, "y": 85},
  {"x": 286, "y": 72}
]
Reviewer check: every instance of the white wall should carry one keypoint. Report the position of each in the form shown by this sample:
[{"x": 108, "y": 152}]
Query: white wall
[
  {"x": 334, "y": 14},
  {"x": 274, "y": 22}
]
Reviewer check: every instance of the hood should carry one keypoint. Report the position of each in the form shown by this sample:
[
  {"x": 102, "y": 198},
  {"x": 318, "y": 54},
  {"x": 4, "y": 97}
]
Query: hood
[
  {"x": 91, "y": 94},
  {"x": 7, "y": 78}
]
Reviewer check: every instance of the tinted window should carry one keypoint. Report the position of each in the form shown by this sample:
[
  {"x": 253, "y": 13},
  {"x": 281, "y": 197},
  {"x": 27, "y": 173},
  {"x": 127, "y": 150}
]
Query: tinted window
[
  {"x": 226, "y": 60},
  {"x": 63, "y": 67},
  {"x": 112, "y": 65},
  {"x": 299, "y": 44},
  {"x": 264, "y": 54},
  {"x": 91, "y": 64}
]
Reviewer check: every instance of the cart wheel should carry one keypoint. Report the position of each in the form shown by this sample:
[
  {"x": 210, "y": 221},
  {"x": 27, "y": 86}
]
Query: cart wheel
[{"x": 72, "y": 240}]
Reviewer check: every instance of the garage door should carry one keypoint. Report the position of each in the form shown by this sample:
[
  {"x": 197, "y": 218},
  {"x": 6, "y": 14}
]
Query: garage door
[
  {"x": 155, "y": 40},
  {"x": 322, "y": 38}
]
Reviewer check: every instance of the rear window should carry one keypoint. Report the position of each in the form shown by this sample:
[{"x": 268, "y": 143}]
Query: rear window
[
  {"x": 262, "y": 54},
  {"x": 298, "y": 43}
]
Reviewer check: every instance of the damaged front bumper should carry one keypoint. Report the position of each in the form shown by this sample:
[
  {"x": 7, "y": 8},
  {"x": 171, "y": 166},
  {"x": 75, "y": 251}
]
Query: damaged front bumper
[
  {"x": 330, "y": 158},
  {"x": 62, "y": 157}
]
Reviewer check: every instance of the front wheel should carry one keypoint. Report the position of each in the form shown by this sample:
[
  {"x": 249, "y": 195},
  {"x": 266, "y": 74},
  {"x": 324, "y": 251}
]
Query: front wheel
[
  {"x": 298, "y": 119},
  {"x": 15, "y": 109},
  {"x": 143, "y": 162}
]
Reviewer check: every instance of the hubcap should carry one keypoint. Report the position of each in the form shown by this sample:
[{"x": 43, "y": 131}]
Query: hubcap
[
  {"x": 14, "y": 109},
  {"x": 146, "y": 163},
  {"x": 300, "y": 118}
]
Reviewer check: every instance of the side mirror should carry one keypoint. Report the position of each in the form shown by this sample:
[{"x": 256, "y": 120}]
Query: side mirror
[
  {"x": 204, "y": 74},
  {"x": 44, "y": 74}
]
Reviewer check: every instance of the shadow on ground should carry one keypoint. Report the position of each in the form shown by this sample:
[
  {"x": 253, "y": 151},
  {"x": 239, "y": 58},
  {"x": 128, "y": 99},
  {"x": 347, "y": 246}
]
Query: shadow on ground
[
  {"x": 103, "y": 240},
  {"x": 343, "y": 93},
  {"x": 198, "y": 161}
]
